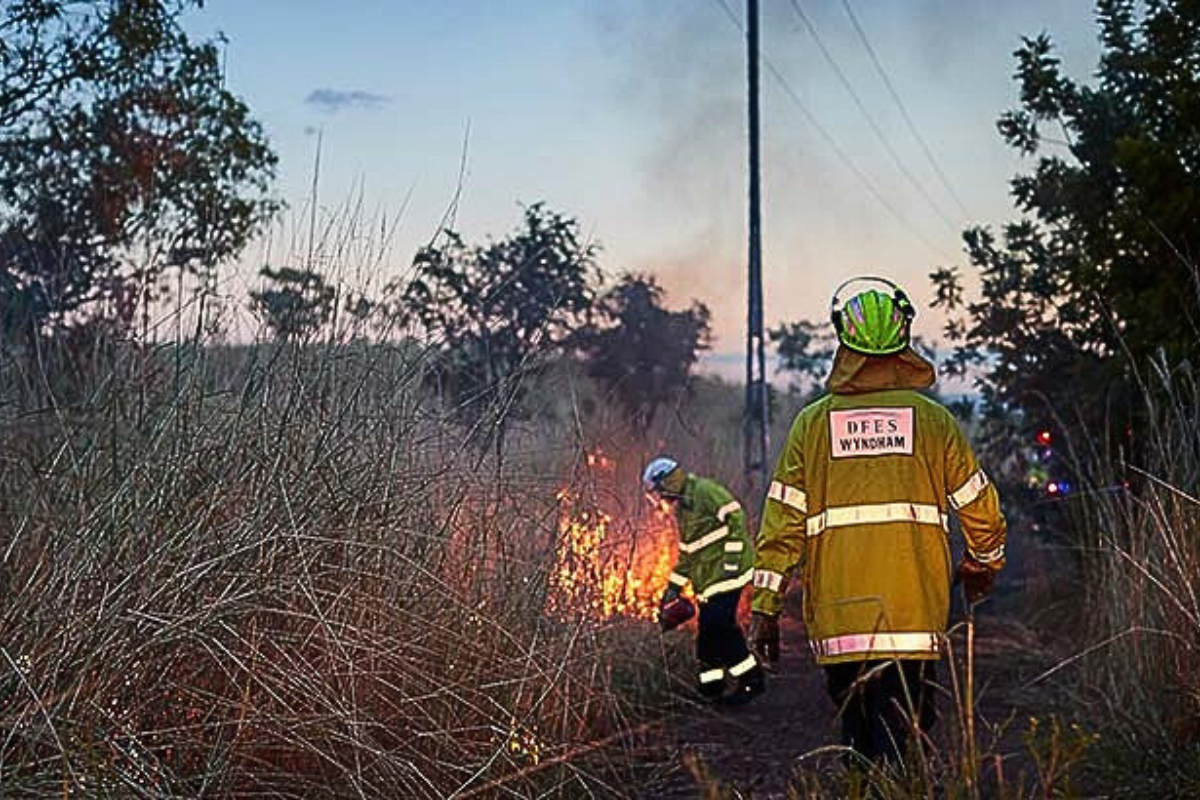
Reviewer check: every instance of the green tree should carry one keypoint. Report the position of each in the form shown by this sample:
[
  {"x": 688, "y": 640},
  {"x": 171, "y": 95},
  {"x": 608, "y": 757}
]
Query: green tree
[
  {"x": 805, "y": 350},
  {"x": 1098, "y": 273},
  {"x": 297, "y": 305},
  {"x": 122, "y": 154},
  {"x": 493, "y": 309},
  {"x": 642, "y": 352}
]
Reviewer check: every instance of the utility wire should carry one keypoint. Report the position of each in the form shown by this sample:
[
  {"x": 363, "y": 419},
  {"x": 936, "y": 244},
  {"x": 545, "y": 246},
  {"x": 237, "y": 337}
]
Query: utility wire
[
  {"x": 908, "y": 120},
  {"x": 847, "y": 162},
  {"x": 875, "y": 128}
]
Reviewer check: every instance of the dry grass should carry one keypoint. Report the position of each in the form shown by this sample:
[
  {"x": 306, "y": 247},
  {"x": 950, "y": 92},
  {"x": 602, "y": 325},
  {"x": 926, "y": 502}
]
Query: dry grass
[
  {"x": 1137, "y": 531},
  {"x": 292, "y": 571},
  {"x": 285, "y": 571}
]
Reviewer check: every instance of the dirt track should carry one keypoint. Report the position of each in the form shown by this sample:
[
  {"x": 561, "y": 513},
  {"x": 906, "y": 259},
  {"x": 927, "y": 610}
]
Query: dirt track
[{"x": 755, "y": 747}]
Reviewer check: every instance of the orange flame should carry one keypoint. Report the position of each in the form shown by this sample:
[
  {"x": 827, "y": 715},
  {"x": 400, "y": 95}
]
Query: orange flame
[{"x": 605, "y": 568}]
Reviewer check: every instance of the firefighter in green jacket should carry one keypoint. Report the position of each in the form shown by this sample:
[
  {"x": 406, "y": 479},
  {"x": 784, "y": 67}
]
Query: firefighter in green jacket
[
  {"x": 716, "y": 557},
  {"x": 859, "y": 502}
]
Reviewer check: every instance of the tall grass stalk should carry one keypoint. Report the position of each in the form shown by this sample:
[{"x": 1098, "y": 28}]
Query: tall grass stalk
[
  {"x": 1138, "y": 529},
  {"x": 285, "y": 570}
]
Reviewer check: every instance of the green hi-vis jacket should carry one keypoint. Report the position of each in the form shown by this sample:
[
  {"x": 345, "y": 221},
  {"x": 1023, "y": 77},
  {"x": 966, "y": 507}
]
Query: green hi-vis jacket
[
  {"x": 860, "y": 500},
  {"x": 714, "y": 548}
]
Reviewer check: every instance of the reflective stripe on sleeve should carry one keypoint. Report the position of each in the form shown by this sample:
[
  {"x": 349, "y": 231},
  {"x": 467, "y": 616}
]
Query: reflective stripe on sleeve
[
  {"x": 856, "y": 643},
  {"x": 705, "y": 540},
  {"x": 788, "y": 495},
  {"x": 743, "y": 666},
  {"x": 727, "y": 585},
  {"x": 969, "y": 491},
  {"x": 873, "y": 514},
  {"x": 676, "y": 579},
  {"x": 766, "y": 579},
  {"x": 988, "y": 557},
  {"x": 735, "y": 546},
  {"x": 727, "y": 509},
  {"x": 712, "y": 675}
]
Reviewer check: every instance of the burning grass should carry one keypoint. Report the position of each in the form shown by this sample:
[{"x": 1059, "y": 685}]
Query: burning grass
[{"x": 605, "y": 568}]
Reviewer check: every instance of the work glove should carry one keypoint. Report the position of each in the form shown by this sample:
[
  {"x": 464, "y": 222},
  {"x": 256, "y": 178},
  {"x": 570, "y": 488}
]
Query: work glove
[
  {"x": 977, "y": 579},
  {"x": 675, "y": 611},
  {"x": 764, "y": 637}
]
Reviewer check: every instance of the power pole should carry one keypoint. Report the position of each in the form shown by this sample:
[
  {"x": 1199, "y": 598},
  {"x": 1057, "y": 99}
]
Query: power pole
[{"x": 755, "y": 415}]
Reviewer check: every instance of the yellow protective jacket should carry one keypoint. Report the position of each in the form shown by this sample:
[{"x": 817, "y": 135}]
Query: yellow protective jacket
[
  {"x": 715, "y": 553},
  {"x": 860, "y": 500}
]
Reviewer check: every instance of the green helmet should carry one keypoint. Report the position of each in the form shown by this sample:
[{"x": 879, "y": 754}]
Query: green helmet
[{"x": 872, "y": 321}]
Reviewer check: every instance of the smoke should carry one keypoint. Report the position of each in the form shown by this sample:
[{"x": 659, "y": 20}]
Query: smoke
[{"x": 683, "y": 78}]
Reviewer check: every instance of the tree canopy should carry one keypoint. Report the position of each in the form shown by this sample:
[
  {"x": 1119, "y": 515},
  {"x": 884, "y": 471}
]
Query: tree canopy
[
  {"x": 641, "y": 351},
  {"x": 296, "y": 303},
  {"x": 491, "y": 309},
  {"x": 1098, "y": 276},
  {"x": 122, "y": 154},
  {"x": 805, "y": 350}
]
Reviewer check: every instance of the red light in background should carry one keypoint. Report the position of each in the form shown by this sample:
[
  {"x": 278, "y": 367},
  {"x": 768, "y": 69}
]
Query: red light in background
[{"x": 1043, "y": 437}]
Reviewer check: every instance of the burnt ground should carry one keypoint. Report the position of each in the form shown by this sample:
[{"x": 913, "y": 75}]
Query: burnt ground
[{"x": 756, "y": 748}]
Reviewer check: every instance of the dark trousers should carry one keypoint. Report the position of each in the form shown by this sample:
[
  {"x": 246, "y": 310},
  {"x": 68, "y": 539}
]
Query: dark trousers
[
  {"x": 878, "y": 711},
  {"x": 721, "y": 648}
]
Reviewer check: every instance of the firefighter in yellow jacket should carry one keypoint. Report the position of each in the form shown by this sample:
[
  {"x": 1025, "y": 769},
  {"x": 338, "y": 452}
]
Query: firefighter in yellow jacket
[
  {"x": 717, "y": 559},
  {"x": 860, "y": 502}
]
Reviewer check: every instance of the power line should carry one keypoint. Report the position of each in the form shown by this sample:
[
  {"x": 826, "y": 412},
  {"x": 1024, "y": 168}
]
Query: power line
[
  {"x": 829, "y": 139},
  {"x": 875, "y": 128},
  {"x": 908, "y": 120}
]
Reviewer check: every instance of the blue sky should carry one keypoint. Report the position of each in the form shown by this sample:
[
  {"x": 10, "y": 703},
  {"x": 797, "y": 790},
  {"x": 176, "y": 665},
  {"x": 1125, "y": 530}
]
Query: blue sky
[{"x": 630, "y": 116}]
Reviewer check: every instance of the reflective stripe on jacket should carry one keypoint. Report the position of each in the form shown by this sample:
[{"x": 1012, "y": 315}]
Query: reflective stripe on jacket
[
  {"x": 860, "y": 500},
  {"x": 715, "y": 553}
]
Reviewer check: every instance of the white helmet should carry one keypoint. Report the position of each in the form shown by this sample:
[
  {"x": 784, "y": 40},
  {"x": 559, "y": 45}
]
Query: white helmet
[{"x": 656, "y": 470}]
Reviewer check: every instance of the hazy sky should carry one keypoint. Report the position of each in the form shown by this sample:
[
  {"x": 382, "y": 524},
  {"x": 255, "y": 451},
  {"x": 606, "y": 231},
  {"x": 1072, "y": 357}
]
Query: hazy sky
[{"x": 630, "y": 116}]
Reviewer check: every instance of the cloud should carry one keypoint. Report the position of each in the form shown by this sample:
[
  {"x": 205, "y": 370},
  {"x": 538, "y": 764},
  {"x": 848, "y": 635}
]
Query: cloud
[{"x": 331, "y": 101}]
